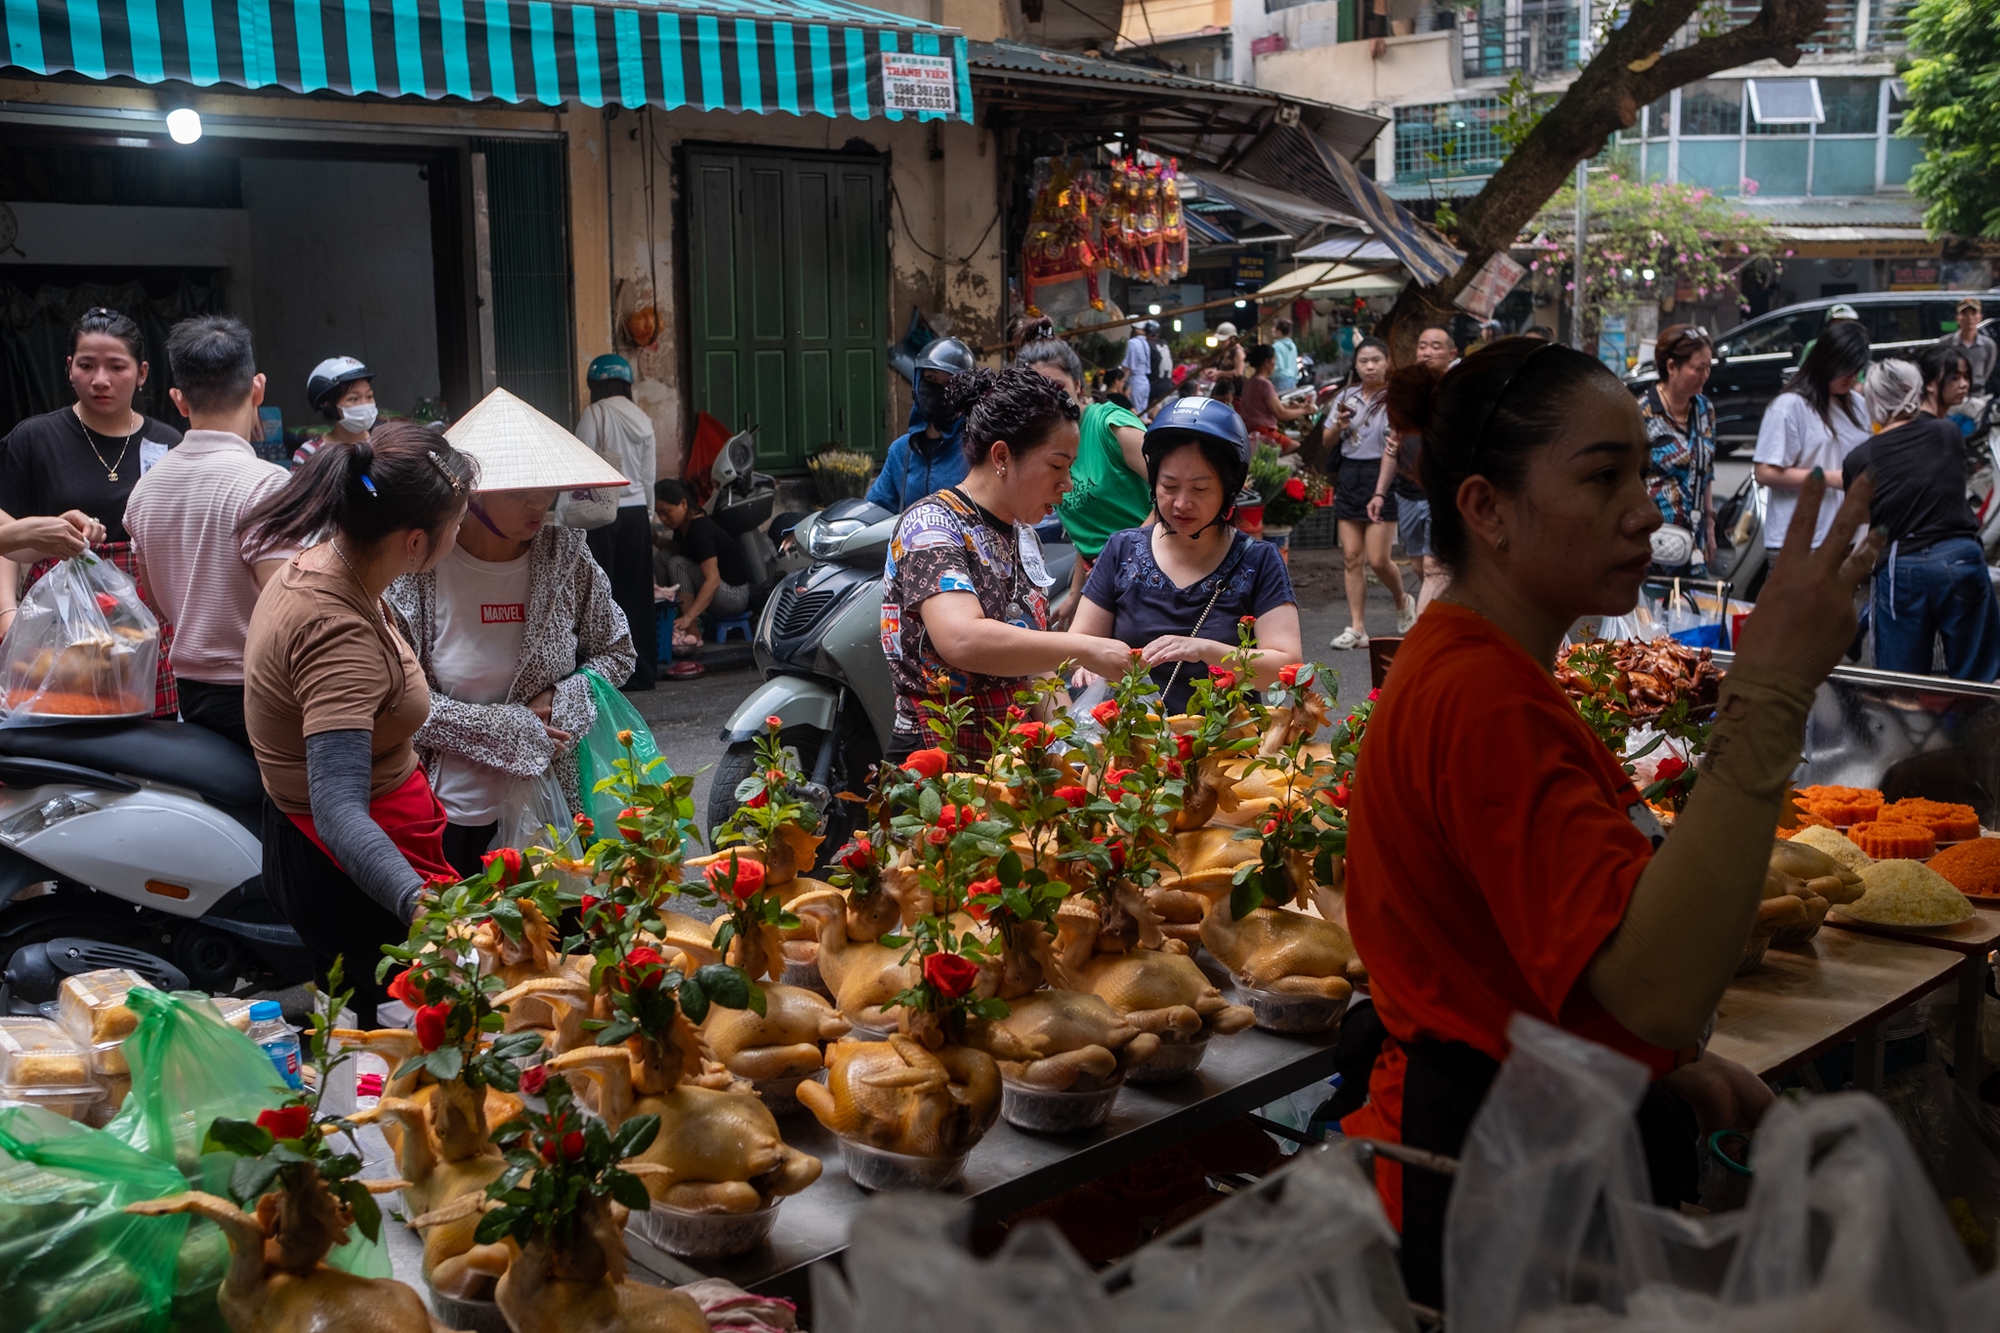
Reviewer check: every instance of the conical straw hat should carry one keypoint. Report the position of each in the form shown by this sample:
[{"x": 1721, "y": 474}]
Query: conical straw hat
[{"x": 519, "y": 449}]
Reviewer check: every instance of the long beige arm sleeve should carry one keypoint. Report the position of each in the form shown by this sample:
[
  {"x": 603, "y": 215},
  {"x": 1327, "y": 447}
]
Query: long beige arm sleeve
[{"x": 1664, "y": 969}]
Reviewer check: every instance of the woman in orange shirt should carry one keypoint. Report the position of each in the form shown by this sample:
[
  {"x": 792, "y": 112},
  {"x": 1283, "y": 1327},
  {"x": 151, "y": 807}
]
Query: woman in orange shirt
[{"x": 1500, "y": 859}]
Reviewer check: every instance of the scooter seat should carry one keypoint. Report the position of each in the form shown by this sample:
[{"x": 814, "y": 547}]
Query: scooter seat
[{"x": 178, "y": 754}]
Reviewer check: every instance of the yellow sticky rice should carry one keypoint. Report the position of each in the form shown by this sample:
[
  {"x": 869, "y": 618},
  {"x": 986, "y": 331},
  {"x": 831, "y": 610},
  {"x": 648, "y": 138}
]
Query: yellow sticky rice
[
  {"x": 1835, "y": 844},
  {"x": 1908, "y": 893}
]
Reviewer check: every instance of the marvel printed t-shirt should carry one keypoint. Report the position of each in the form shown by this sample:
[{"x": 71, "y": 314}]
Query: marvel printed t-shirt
[
  {"x": 1494, "y": 843},
  {"x": 48, "y": 466},
  {"x": 1793, "y": 435},
  {"x": 1105, "y": 495},
  {"x": 482, "y": 618},
  {"x": 321, "y": 658},
  {"x": 946, "y": 543}
]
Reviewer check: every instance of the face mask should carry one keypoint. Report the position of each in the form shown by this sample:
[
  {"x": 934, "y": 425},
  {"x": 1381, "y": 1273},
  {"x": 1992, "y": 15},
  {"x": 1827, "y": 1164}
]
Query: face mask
[
  {"x": 930, "y": 402},
  {"x": 360, "y": 418}
]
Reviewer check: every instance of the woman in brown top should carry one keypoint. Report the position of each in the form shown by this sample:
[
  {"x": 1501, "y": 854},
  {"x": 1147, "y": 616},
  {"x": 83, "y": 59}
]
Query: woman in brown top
[{"x": 333, "y": 694}]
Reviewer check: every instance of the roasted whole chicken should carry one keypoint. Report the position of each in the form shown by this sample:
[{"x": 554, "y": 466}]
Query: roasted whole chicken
[
  {"x": 1162, "y": 993},
  {"x": 278, "y": 1281},
  {"x": 900, "y": 1095},
  {"x": 1277, "y": 949},
  {"x": 580, "y": 1286},
  {"x": 784, "y": 1042},
  {"x": 443, "y": 1155},
  {"x": 547, "y": 992},
  {"x": 717, "y": 1151},
  {"x": 862, "y": 976},
  {"x": 1063, "y": 1041}
]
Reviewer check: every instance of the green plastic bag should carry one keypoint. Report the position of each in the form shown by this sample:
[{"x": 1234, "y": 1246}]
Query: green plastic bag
[
  {"x": 71, "y": 1258},
  {"x": 599, "y": 750}
]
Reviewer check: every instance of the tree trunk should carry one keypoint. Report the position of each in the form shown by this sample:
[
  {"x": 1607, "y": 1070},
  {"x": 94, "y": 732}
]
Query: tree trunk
[{"x": 1626, "y": 75}]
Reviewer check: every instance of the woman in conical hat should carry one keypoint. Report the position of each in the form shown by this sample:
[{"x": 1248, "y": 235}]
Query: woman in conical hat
[{"x": 505, "y": 625}]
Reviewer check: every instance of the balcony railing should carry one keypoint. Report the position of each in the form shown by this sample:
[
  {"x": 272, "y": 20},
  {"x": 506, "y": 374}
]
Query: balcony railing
[
  {"x": 1851, "y": 25},
  {"x": 1537, "y": 39}
]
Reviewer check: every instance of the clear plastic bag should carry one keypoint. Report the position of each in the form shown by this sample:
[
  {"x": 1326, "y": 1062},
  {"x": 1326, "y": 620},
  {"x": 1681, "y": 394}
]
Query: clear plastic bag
[
  {"x": 83, "y": 646},
  {"x": 532, "y": 809},
  {"x": 1550, "y": 1225},
  {"x": 599, "y": 750}
]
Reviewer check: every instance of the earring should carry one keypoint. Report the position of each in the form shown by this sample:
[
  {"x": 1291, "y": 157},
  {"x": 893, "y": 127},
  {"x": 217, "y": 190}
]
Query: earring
[{"x": 1502, "y": 543}]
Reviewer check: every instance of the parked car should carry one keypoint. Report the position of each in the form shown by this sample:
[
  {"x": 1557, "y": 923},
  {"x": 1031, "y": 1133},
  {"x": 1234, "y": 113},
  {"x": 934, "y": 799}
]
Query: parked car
[{"x": 1753, "y": 360}]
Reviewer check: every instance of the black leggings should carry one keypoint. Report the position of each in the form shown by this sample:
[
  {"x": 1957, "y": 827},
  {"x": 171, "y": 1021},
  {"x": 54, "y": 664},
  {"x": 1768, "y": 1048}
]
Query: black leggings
[
  {"x": 465, "y": 846},
  {"x": 624, "y": 551},
  {"x": 329, "y": 911}
]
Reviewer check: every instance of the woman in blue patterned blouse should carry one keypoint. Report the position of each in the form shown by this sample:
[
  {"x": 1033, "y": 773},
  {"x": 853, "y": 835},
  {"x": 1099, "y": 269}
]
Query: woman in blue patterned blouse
[{"x": 1681, "y": 423}]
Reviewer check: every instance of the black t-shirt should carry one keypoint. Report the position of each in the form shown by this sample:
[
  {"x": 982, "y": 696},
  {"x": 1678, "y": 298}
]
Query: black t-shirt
[
  {"x": 53, "y": 463},
  {"x": 704, "y": 539},
  {"x": 1920, "y": 470}
]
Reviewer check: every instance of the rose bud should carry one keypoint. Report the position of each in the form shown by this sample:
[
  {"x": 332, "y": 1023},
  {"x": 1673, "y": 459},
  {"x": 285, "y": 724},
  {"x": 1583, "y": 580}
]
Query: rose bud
[
  {"x": 1106, "y": 713},
  {"x": 1075, "y": 796},
  {"x": 430, "y": 1023},
  {"x": 286, "y": 1122},
  {"x": 928, "y": 763},
  {"x": 510, "y": 860},
  {"x": 951, "y": 975},
  {"x": 858, "y": 855},
  {"x": 534, "y": 1079}
]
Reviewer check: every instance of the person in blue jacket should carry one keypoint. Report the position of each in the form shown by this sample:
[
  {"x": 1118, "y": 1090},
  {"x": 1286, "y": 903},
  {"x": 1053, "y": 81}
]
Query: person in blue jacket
[{"x": 929, "y": 457}]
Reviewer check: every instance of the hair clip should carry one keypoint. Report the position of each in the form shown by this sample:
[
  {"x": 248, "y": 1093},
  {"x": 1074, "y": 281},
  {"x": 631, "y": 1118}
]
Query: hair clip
[
  {"x": 457, "y": 486},
  {"x": 368, "y": 484}
]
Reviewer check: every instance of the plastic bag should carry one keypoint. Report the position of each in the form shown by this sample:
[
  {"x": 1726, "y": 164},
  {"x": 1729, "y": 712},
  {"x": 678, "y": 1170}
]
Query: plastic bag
[
  {"x": 531, "y": 808},
  {"x": 599, "y": 750},
  {"x": 84, "y": 645},
  {"x": 1550, "y": 1226},
  {"x": 70, "y": 1256}
]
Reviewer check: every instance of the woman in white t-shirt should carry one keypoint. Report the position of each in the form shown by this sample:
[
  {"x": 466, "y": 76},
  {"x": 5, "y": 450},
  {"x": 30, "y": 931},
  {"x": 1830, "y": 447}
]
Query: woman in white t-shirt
[
  {"x": 505, "y": 625},
  {"x": 1814, "y": 423}
]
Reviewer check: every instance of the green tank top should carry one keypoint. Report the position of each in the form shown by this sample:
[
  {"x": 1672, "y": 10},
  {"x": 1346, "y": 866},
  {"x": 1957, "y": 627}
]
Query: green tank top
[{"x": 1104, "y": 496}]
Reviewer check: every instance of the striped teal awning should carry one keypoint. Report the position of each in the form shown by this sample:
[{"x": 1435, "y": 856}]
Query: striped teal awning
[{"x": 804, "y": 57}]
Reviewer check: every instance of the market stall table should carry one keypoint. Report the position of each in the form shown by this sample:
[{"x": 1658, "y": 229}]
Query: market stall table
[
  {"x": 1803, "y": 1002},
  {"x": 1975, "y": 939},
  {"x": 1009, "y": 1170}
]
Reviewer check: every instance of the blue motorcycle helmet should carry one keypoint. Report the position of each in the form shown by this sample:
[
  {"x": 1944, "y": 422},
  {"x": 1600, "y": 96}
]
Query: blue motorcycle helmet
[{"x": 1214, "y": 428}]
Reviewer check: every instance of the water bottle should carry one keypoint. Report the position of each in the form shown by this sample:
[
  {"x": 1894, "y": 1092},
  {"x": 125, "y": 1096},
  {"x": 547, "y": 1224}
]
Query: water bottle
[{"x": 270, "y": 1031}]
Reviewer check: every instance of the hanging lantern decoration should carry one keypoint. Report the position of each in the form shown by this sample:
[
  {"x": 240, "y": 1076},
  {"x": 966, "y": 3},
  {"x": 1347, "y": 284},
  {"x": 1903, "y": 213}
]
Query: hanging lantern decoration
[{"x": 1058, "y": 247}]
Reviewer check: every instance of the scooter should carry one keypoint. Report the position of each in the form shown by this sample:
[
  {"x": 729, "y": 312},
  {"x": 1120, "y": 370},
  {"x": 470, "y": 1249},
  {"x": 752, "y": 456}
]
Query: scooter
[
  {"x": 819, "y": 646},
  {"x": 148, "y": 836}
]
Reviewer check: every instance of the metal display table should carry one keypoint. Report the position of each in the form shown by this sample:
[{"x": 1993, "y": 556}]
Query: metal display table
[
  {"x": 1009, "y": 1170},
  {"x": 1803, "y": 1002}
]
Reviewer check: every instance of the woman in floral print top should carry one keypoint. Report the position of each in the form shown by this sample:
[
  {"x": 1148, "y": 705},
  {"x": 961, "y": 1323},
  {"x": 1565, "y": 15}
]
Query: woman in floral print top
[
  {"x": 965, "y": 598},
  {"x": 1681, "y": 424}
]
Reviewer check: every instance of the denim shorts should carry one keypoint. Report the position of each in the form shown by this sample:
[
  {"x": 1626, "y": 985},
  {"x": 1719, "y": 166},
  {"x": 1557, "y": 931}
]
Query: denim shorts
[{"x": 1413, "y": 525}]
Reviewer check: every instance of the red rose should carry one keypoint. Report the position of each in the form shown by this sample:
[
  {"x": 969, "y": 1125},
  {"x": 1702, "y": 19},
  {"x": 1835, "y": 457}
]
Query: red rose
[
  {"x": 952, "y": 818},
  {"x": 586, "y": 827},
  {"x": 286, "y": 1122},
  {"x": 858, "y": 855},
  {"x": 568, "y": 1148},
  {"x": 937, "y": 837},
  {"x": 1295, "y": 489},
  {"x": 981, "y": 888},
  {"x": 508, "y": 858},
  {"x": 633, "y": 813},
  {"x": 1374, "y": 694},
  {"x": 430, "y": 1021},
  {"x": 1246, "y": 620},
  {"x": 1341, "y": 796},
  {"x": 1289, "y": 675},
  {"x": 1184, "y": 746},
  {"x": 1106, "y": 713},
  {"x": 774, "y": 722},
  {"x": 406, "y": 987},
  {"x": 1034, "y": 733},
  {"x": 534, "y": 1080},
  {"x": 1076, "y": 797},
  {"x": 759, "y": 801},
  {"x": 1115, "y": 850},
  {"x": 643, "y": 966},
  {"x": 1270, "y": 827},
  {"x": 1114, "y": 781},
  {"x": 928, "y": 763},
  {"x": 739, "y": 878},
  {"x": 1175, "y": 768},
  {"x": 1016, "y": 712},
  {"x": 1224, "y": 680},
  {"x": 106, "y": 603},
  {"x": 949, "y": 974},
  {"x": 1670, "y": 768},
  {"x": 617, "y": 910}
]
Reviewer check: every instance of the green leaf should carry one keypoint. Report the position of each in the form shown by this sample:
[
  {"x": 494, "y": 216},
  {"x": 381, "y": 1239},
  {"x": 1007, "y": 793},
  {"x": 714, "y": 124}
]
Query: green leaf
[
  {"x": 510, "y": 1131},
  {"x": 694, "y": 1000},
  {"x": 1246, "y": 897},
  {"x": 725, "y": 985},
  {"x": 445, "y": 1063},
  {"x": 493, "y": 1227},
  {"x": 251, "y": 1177},
  {"x": 635, "y": 1136},
  {"x": 724, "y": 935},
  {"x": 367, "y": 1213},
  {"x": 339, "y": 1166},
  {"x": 629, "y": 1190},
  {"x": 514, "y": 1045},
  {"x": 238, "y": 1136},
  {"x": 756, "y": 998},
  {"x": 614, "y": 1034}
]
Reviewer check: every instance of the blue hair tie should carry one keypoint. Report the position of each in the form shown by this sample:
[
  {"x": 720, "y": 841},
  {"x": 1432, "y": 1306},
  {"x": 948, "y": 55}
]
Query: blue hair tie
[{"x": 369, "y": 482}]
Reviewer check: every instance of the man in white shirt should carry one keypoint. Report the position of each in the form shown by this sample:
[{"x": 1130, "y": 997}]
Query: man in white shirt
[
  {"x": 622, "y": 435},
  {"x": 186, "y": 512}
]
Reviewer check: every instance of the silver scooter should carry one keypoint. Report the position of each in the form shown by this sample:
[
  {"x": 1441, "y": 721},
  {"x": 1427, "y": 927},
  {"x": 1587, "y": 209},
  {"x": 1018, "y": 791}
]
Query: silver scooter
[
  {"x": 819, "y": 646},
  {"x": 147, "y": 837}
]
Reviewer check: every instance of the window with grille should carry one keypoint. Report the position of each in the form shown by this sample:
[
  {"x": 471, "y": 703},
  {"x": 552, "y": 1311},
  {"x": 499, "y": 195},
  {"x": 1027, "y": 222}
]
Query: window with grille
[{"x": 1441, "y": 140}]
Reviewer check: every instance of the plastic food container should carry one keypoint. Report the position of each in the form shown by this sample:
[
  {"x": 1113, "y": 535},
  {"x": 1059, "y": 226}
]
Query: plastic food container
[
  {"x": 705, "y": 1235},
  {"x": 1048, "y": 1111},
  {"x": 1283, "y": 1011},
  {"x": 91, "y": 1007},
  {"x": 866, "y": 1032},
  {"x": 35, "y": 1053},
  {"x": 471, "y": 1316},
  {"x": 78, "y": 1103},
  {"x": 1174, "y": 1059},
  {"x": 781, "y": 1095},
  {"x": 805, "y": 975},
  {"x": 880, "y": 1170},
  {"x": 236, "y": 1013}
]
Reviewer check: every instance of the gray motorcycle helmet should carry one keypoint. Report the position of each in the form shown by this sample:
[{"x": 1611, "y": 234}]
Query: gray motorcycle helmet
[
  {"x": 323, "y": 385},
  {"x": 948, "y": 355}
]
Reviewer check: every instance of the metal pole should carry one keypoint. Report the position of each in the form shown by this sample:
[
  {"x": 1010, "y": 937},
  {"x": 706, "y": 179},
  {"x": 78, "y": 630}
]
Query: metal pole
[{"x": 1582, "y": 192}]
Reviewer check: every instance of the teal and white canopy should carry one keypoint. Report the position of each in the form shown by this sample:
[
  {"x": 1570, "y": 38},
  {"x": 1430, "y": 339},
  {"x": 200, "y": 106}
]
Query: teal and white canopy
[{"x": 804, "y": 57}]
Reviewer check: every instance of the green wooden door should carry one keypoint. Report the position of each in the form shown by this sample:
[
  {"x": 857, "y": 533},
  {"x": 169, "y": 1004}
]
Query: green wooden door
[
  {"x": 528, "y": 221},
  {"x": 787, "y": 280}
]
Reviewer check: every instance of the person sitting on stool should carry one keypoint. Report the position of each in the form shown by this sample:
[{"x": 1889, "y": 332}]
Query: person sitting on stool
[{"x": 707, "y": 564}]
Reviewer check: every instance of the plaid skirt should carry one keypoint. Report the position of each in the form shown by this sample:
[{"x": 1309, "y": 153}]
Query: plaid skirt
[{"x": 166, "y": 696}]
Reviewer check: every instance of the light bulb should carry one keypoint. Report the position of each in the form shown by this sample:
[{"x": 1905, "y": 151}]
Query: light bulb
[
  {"x": 1211, "y": 340},
  {"x": 184, "y": 124},
  {"x": 1177, "y": 326},
  {"x": 1647, "y": 274},
  {"x": 1242, "y": 304},
  {"x": 1153, "y": 309}
]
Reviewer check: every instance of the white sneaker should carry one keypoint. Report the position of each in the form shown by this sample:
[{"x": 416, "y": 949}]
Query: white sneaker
[
  {"x": 1406, "y": 617},
  {"x": 1349, "y": 639}
]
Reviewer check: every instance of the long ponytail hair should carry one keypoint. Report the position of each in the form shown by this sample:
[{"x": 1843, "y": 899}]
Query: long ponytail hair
[{"x": 403, "y": 475}]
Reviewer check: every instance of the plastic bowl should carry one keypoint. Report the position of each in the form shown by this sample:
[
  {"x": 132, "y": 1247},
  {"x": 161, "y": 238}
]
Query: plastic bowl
[
  {"x": 1174, "y": 1059},
  {"x": 880, "y": 1170},
  {"x": 867, "y": 1032},
  {"x": 1048, "y": 1111},
  {"x": 471, "y": 1316},
  {"x": 705, "y": 1235},
  {"x": 1282, "y": 1011},
  {"x": 805, "y": 975},
  {"x": 781, "y": 1095}
]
